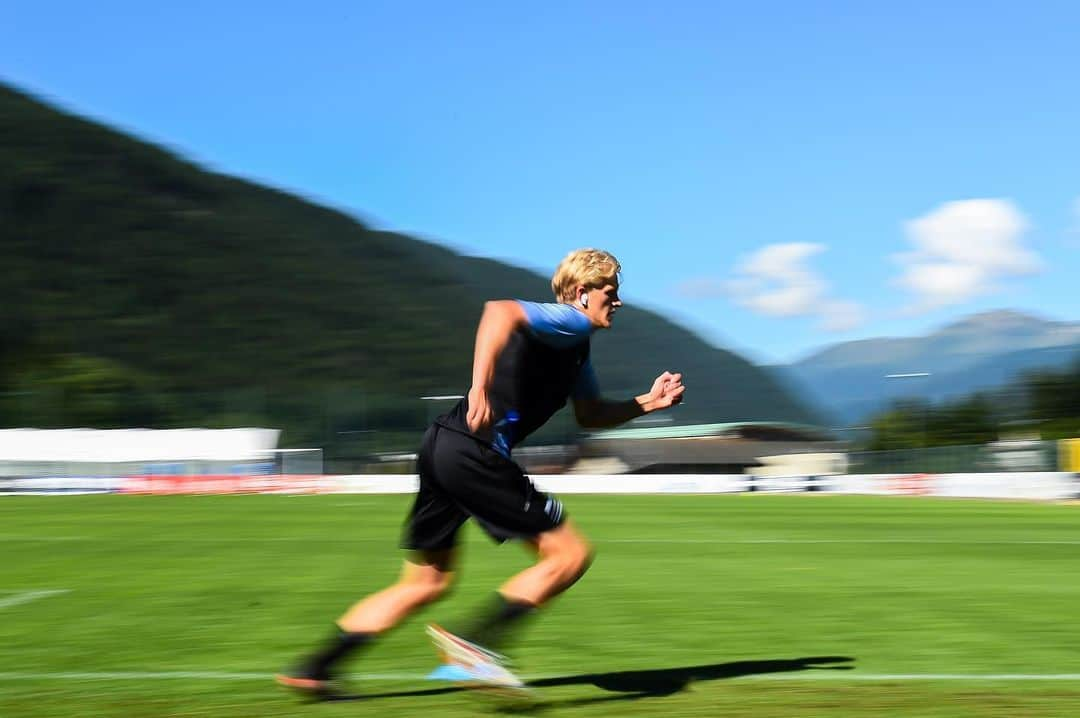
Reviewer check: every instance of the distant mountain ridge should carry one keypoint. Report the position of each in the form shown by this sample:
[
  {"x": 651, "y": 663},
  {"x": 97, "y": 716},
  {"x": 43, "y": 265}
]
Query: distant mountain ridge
[
  {"x": 133, "y": 277},
  {"x": 979, "y": 352}
]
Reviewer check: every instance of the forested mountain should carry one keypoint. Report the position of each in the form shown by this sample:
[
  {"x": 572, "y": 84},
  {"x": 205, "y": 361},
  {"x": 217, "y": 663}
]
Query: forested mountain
[{"x": 142, "y": 290}]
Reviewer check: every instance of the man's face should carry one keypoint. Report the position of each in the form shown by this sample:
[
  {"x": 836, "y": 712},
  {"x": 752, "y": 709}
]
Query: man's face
[{"x": 601, "y": 303}]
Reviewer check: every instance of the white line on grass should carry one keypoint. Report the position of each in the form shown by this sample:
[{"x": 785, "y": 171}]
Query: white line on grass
[
  {"x": 960, "y": 542},
  {"x": 28, "y": 596},
  {"x": 132, "y": 676},
  {"x": 851, "y": 676},
  {"x": 182, "y": 675},
  {"x": 719, "y": 540},
  {"x": 793, "y": 676}
]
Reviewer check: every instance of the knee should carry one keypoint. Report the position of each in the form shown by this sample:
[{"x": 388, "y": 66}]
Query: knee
[{"x": 584, "y": 558}]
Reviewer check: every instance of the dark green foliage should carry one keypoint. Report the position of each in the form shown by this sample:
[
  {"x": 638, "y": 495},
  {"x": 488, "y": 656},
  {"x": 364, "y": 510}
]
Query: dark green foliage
[
  {"x": 910, "y": 425},
  {"x": 84, "y": 391},
  {"x": 1046, "y": 402},
  {"x": 190, "y": 298},
  {"x": 1053, "y": 400}
]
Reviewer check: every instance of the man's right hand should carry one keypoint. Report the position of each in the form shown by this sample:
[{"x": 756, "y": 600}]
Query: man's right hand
[{"x": 479, "y": 417}]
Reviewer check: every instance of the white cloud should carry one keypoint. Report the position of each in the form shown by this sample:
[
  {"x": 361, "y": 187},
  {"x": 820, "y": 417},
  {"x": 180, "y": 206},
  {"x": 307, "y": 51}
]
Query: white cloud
[
  {"x": 776, "y": 281},
  {"x": 961, "y": 250}
]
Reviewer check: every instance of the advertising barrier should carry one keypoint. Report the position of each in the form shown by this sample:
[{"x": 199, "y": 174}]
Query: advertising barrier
[
  {"x": 63, "y": 485},
  {"x": 642, "y": 483},
  {"x": 227, "y": 484},
  {"x": 1069, "y": 455},
  {"x": 1038, "y": 486},
  {"x": 883, "y": 484}
]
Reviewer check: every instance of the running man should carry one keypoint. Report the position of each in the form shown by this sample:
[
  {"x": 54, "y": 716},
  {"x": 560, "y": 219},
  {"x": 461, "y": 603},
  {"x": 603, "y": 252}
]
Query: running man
[{"x": 529, "y": 358}]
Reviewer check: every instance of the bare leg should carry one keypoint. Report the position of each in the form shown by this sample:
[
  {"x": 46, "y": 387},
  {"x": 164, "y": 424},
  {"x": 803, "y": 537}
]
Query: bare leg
[
  {"x": 564, "y": 555},
  {"x": 425, "y": 577}
]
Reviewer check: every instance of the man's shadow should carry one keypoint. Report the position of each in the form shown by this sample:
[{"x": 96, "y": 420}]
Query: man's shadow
[{"x": 633, "y": 685}]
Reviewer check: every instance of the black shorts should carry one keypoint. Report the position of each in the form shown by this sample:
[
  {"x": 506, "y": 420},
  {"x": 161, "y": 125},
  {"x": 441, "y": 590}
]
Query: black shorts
[{"x": 461, "y": 477}]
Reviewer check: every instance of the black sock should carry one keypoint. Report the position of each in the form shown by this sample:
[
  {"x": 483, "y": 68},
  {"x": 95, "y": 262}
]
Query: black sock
[
  {"x": 341, "y": 644},
  {"x": 494, "y": 626}
]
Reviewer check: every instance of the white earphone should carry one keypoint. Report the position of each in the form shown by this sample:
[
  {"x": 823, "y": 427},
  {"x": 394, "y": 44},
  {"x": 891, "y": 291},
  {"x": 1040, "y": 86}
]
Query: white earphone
[{"x": 585, "y": 300}]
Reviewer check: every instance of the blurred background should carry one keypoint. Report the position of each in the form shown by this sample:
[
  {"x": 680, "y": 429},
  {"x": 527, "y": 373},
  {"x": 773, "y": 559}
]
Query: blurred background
[{"x": 854, "y": 230}]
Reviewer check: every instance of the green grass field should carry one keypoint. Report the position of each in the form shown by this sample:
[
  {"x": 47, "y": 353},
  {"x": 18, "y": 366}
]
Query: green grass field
[{"x": 696, "y": 606}]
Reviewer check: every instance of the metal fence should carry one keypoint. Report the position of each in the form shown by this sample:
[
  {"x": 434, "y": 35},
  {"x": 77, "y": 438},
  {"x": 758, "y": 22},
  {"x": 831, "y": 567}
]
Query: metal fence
[{"x": 1001, "y": 456}]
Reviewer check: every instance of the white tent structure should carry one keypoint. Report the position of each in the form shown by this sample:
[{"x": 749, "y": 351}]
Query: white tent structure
[{"x": 136, "y": 445}]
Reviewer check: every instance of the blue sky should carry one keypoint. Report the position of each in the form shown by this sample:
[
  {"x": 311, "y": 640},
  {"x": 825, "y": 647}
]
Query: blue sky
[{"x": 777, "y": 175}]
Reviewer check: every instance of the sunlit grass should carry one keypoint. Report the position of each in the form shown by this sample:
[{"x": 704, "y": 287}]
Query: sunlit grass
[{"x": 696, "y": 606}]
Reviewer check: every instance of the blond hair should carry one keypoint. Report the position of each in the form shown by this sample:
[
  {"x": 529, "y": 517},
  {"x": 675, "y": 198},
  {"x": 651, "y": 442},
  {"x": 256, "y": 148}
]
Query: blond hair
[{"x": 590, "y": 267}]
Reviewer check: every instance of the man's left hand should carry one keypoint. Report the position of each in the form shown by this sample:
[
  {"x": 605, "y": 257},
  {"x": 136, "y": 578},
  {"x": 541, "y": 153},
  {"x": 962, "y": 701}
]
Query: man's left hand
[{"x": 667, "y": 390}]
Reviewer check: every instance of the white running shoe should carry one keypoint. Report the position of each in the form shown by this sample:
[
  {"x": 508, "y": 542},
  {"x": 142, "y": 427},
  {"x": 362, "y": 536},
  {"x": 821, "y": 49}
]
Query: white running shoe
[{"x": 472, "y": 662}]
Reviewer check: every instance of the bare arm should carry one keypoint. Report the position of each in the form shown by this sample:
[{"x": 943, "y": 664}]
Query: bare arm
[
  {"x": 667, "y": 390},
  {"x": 498, "y": 322}
]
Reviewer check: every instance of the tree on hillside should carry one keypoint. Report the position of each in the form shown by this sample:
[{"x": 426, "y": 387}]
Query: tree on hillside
[
  {"x": 1047, "y": 401},
  {"x": 918, "y": 424},
  {"x": 1053, "y": 401}
]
